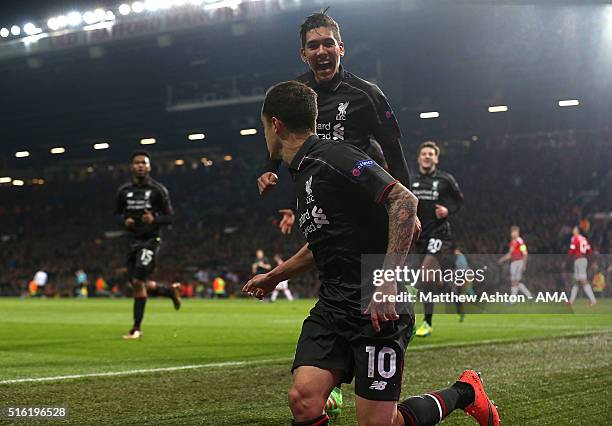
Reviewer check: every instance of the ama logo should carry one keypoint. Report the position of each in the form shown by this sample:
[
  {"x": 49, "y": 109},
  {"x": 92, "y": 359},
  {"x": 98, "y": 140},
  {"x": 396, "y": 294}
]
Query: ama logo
[{"x": 361, "y": 165}]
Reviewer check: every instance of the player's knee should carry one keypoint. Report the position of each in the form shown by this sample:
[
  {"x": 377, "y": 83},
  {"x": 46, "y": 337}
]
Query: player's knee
[
  {"x": 304, "y": 402},
  {"x": 139, "y": 288}
]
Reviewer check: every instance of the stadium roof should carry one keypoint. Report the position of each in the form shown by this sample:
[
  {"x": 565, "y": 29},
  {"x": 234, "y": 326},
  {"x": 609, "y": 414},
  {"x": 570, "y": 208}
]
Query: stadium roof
[{"x": 456, "y": 61}]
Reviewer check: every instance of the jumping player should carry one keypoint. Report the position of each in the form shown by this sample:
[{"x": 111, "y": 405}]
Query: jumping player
[
  {"x": 517, "y": 255},
  {"x": 439, "y": 199},
  {"x": 351, "y": 109},
  {"x": 579, "y": 249},
  {"x": 142, "y": 207},
  {"x": 348, "y": 205}
]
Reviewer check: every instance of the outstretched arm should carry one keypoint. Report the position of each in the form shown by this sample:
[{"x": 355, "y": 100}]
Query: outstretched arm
[{"x": 262, "y": 284}]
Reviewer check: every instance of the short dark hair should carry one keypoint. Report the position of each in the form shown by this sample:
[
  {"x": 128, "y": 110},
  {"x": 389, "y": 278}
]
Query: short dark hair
[
  {"x": 430, "y": 144},
  {"x": 140, "y": 152},
  {"x": 316, "y": 20},
  {"x": 294, "y": 103}
]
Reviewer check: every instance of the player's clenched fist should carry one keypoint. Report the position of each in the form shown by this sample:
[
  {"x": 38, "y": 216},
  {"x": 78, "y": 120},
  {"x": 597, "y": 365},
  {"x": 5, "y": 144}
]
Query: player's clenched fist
[{"x": 266, "y": 182}]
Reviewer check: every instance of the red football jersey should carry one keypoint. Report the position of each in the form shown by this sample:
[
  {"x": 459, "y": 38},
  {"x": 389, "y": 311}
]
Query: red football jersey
[
  {"x": 518, "y": 249},
  {"x": 579, "y": 246}
]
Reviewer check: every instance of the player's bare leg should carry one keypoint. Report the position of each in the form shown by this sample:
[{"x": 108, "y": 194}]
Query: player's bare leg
[
  {"x": 377, "y": 412},
  {"x": 308, "y": 395}
]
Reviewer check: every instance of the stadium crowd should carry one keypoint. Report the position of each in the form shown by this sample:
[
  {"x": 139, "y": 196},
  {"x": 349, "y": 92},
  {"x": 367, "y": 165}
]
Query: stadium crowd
[{"x": 542, "y": 185}]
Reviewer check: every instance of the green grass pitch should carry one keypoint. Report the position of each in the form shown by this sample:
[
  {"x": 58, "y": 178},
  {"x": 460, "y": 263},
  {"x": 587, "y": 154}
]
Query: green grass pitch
[{"x": 546, "y": 369}]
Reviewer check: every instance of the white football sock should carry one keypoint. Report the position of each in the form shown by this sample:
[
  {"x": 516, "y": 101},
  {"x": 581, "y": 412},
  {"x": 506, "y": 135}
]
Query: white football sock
[
  {"x": 524, "y": 290},
  {"x": 288, "y": 295},
  {"x": 574, "y": 293},
  {"x": 589, "y": 292}
]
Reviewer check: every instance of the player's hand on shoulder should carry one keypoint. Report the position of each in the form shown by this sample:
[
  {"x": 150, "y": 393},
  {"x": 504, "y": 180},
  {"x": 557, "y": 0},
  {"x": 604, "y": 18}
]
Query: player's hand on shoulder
[
  {"x": 259, "y": 286},
  {"x": 148, "y": 217},
  {"x": 266, "y": 182},
  {"x": 129, "y": 222},
  {"x": 287, "y": 221}
]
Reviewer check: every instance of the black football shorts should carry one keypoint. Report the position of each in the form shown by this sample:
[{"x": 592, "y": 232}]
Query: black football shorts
[
  {"x": 337, "y": 341},
  {"x": 141, "y": 259}
]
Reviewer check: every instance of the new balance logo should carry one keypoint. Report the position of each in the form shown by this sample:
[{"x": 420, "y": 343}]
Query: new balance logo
[
  {"x": 338, "y": 132},
  {"x": 378, "y": 385},
  {"x": 319, "y": 217}
]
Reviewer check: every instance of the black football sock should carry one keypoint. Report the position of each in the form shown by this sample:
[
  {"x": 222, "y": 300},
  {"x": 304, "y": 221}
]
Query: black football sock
[
  {"x": 466, "y": 394},
  {"x": 431, "y": 408},
  {"x": 429, "y": 309},
  {"x": 139, "y": 308},
  {"x": 459, "y": 306},
  {"x": 322, "y": 420}
]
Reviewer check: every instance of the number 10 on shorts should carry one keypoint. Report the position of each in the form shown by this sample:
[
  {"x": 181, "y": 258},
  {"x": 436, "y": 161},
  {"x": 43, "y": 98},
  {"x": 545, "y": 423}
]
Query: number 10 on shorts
[{"x": 380, "y": 365}]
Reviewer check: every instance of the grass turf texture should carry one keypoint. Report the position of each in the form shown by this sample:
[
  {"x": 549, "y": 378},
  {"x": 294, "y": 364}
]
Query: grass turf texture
[{"x": 547, "y": 369}]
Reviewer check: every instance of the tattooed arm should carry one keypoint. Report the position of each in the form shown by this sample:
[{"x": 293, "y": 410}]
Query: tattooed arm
[
  {"x": 404, "y": 230},
  {"x": 404, "y": 226}
]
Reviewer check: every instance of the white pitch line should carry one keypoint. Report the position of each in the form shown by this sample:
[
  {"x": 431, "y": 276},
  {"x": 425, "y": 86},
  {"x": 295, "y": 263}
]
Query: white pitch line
[
  {"x": 265, "y": 361},
  {"x": 141, "y": 371}
]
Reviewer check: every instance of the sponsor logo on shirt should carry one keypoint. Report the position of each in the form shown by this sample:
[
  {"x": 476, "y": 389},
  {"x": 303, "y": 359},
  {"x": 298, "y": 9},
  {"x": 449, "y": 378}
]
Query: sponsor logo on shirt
[
  {"x": 137, "y": 203},
  {"x": 338, "y": 132},
  {"x": 324, "y": 131},
  {"x": 319, "y": 217}
]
